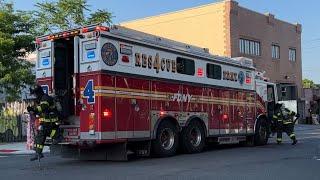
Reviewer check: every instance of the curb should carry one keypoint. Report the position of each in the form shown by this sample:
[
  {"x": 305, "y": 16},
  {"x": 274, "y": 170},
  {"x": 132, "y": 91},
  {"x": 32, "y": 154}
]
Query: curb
[{"x": 18, "y": 152}]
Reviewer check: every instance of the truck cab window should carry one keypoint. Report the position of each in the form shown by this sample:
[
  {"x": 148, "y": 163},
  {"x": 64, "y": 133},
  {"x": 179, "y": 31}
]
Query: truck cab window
[
  {"x": 270, "y": 93},
  {"x": 270, "y": 101},
  {"x": 185, "y": 66},
  {"x": 214, "y": 71}
]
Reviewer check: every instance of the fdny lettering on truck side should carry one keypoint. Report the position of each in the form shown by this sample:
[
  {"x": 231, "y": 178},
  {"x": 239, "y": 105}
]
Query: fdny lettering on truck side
[{"x": 181, "y": 97}]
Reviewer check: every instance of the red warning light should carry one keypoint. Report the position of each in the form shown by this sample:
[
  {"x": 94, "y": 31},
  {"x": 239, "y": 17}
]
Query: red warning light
[
  {"x": 200, "y": 72},
  {"x": 125, "y": 59},
  {"x": 85, "y": 30},
  {"x": 248, "y": 80},
  {"x": 107, "y": 113},
  {"x": 225, "y": 117}
]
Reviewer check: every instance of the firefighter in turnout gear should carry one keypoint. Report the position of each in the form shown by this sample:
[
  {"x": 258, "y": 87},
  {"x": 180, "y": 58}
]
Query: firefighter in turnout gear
[
  {"x": 284, "y": 119},
  {"x": 46, "y": 110}
]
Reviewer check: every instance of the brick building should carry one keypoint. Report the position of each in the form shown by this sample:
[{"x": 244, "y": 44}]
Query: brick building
[{"x": 228, "y": 29}]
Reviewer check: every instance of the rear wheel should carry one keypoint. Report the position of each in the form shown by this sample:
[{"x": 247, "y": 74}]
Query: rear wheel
[
  {"x": 193, "y": 138},
  {"x": 261, "y": 133},
  {"x": 166, "y": 142}
]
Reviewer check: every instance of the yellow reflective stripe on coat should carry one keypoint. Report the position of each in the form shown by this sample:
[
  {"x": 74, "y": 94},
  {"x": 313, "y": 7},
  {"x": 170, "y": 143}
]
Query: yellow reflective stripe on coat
[
  {"x": 39, "y": 108},
  {"x": 53, "y": 132},
  {"x": 287, "y": 122},
  {"x": 39, "y": 146},
  {"x": 274, "y": 116},
  {"x": 292, "y": 135},
  {"x": 48, "y": 119},
  {"x": 44, "y": 103}
]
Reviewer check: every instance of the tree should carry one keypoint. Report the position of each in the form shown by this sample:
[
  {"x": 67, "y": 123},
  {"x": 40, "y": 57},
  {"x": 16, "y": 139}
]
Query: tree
[
  {"x": 307, "y": 83},
  {"x": 67, "y": 14},
  {"x": 16, "y": 42}
]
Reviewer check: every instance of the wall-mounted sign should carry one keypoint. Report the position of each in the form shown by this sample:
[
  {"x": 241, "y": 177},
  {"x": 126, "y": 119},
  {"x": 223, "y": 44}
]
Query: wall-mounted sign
[
  {"x": 91, "y": 46},
  {"x": 91, "y": 55},
  {"x": 125, "y": 49},
  {"x": 45, "y": 54},
  {"x": 45, "y": 62}
]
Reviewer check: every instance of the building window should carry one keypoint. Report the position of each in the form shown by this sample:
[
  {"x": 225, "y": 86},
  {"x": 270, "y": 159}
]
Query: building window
[
  {"x": 185, "y": 66},
  {"x": 249, "y": 47},
  {"x": 292, "y": 54},
  {"x": 283, "y": 92},
  {"x": 275, "y": 52},
  {"x": 214, "y": 71}
]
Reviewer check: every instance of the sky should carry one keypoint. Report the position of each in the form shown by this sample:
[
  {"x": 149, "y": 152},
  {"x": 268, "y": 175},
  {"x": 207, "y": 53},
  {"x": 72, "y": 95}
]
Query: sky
[{"x": 303, "y": 12}]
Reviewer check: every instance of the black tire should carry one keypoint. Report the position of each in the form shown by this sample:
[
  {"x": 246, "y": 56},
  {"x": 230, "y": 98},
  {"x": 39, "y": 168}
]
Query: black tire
[
  {"x": 261, "y": 133},
  {"x": 192, "y": 138},
  {"x": 163, "y": 147}
]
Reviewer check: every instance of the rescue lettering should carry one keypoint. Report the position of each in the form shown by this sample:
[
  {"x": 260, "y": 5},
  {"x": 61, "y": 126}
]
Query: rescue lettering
[
  {"x": 138, "y": 59},
  {"x": 144, "y": 60},
  {"x": 155, "y": 62}
]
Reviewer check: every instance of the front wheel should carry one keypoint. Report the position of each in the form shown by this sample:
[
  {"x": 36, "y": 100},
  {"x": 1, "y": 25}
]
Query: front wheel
[
  {"x": 261, "y": 133},
  {"x": 192, "y": 138},
  {"x": 166, "y": 142}
]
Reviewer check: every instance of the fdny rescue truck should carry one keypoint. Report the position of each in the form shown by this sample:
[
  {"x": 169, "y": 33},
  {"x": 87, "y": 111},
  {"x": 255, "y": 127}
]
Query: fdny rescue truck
[{"x": 126, "y": 91}]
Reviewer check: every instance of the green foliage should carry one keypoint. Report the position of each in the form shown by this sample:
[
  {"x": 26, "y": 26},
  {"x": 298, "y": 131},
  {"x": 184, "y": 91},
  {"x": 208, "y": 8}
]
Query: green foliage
[
  {"x": 16, "y": 42},
  {"x": 19, "y": 28},
  {"x": 67, "y": 14},
  {"x": 307, "y": 83}
]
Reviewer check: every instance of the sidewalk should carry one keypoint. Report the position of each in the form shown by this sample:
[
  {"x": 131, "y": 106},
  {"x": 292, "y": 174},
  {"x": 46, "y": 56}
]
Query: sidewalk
[
  {"x": 304, "y": 127},
  {"x": 17, "y": 148}
]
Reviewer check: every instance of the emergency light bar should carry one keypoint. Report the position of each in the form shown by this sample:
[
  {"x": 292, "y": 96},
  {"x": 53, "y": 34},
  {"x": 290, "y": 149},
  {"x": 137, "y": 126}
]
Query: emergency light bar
[{"x": 71, "y": 33}]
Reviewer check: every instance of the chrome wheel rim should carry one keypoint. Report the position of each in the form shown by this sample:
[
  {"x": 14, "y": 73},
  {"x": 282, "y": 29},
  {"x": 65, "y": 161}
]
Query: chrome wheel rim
[
  {"x": 167, "y": 138},
  {"x": 195, "y": 136}
]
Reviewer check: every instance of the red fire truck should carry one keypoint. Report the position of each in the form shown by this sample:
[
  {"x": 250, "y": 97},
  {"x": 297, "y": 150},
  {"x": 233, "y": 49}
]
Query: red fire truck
[{"x": 127, "y": 91}]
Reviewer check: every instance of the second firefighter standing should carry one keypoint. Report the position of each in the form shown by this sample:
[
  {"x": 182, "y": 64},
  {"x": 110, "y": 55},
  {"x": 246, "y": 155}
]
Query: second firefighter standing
[{"x": 284, "y": 120}]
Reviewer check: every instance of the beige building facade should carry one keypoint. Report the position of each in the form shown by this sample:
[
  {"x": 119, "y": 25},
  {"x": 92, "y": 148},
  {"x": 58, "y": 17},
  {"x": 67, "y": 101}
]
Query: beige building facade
[{"x": 227, "y": 29}]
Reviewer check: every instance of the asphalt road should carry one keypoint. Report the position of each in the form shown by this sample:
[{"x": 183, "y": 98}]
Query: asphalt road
[{"x": 271, "y": 162}]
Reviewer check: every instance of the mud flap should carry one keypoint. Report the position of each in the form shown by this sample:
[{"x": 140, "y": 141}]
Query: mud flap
[
  {"x": 117, "y": 152},
  {"x": 114, "y": 152},
  {"x": 92, "y": 154},
  {"x": 142, "y": 149},
  {"x": 64, "y": 151}
]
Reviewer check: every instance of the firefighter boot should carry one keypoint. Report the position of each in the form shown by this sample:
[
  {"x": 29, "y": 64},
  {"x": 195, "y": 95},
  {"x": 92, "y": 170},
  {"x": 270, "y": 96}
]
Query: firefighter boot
[
  {"x": 279, "y": 141},
  {"x": 37, "y": 156},
  {"x": 294, "y": 140}
]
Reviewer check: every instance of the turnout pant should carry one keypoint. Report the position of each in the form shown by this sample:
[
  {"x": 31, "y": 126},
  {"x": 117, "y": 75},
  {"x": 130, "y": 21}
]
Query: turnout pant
[
  {"x": 45, "y": 130},
  {"x": 288, "y": 129}
]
